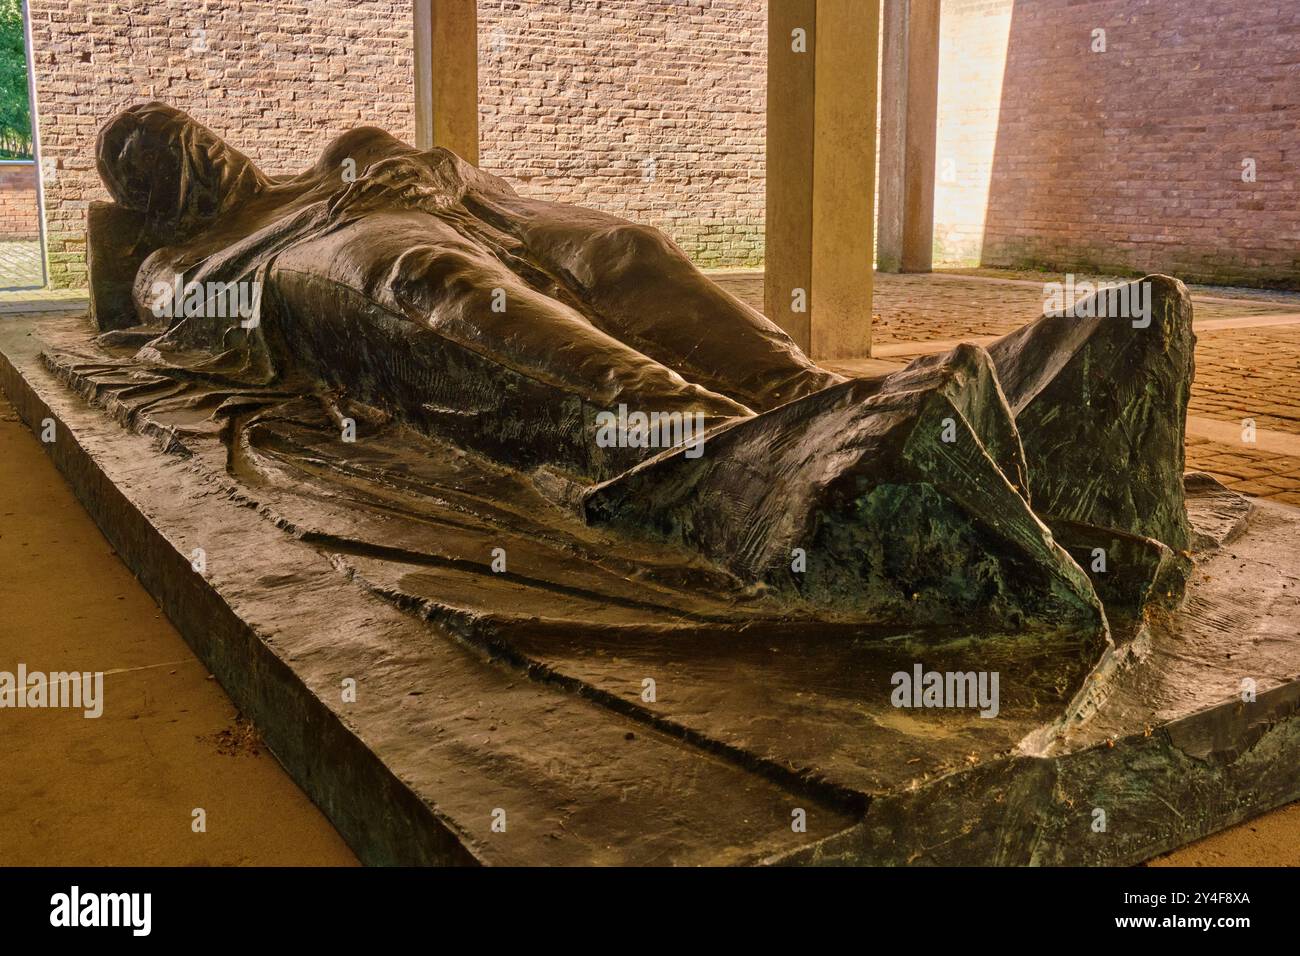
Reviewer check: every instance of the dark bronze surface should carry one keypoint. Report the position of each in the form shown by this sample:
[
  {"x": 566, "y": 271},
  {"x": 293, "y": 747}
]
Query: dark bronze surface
[{"x": 425, "y": 304}]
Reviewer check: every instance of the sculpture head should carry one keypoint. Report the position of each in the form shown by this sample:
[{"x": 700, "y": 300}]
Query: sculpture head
[{"x": 162, "y": 163}]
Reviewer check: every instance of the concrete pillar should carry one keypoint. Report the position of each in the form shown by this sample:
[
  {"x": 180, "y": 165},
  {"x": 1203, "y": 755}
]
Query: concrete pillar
[
  {"x": 446, "y": 76},
  {"x": 908, "y": 116},
  {"x": 787, "y": 256},
  {"x": 821, "y": 149}
]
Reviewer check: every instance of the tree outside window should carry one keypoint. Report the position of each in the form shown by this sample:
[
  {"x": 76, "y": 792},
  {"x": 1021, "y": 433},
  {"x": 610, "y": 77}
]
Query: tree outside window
[{"x": 15, "y": 111}]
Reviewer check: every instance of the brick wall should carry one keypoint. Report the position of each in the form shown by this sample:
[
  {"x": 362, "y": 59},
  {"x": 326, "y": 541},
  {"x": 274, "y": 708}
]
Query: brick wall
[
  {"x": 1129, "y": 160},
  {"x": 18, "y": 220},
  {"x": 278, "y": 79},
  {"x": 652, "y": 109}
]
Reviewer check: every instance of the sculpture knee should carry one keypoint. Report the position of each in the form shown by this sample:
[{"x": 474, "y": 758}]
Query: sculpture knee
[
  {"x": 427, "y": 280},
  {"x": 630, "y": 245}
]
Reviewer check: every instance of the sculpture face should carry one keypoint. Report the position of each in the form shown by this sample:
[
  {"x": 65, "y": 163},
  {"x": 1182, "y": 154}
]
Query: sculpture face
[
  {"x": 428, "y": 295},
  {"x": 158, "y": 161}
]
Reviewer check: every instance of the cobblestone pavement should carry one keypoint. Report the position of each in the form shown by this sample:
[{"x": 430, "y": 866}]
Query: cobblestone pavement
[
  {"x": 1248, "y": 371},
  {"x": 20, "y": 265},
  {"x": 1248, "y": 471},
  {"x": 941, "y": 306}
]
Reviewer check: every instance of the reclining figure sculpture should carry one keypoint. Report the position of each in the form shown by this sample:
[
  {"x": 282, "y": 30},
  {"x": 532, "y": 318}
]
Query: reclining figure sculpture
[{"x": 974, "y": 484}]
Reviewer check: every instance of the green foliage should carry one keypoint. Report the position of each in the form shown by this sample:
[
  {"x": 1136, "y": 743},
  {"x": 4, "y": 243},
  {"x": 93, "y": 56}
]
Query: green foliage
[{"x": 15, "y": 113}]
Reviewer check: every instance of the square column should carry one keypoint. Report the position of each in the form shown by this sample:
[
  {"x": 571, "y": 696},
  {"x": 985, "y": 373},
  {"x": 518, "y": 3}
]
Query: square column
[
  {"x": 821, "y": 149},
  {"x": 446, "y": 76},
  {"x": 908, "y": 119}
]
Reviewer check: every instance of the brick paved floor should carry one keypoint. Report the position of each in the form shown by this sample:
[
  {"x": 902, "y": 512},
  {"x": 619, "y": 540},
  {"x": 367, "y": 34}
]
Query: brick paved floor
[
  {"x": 1250, "y": 472},
  {"x": 918, "y": 308},
  {"x": 1249, "y": 371},
  {"x": 921, "y": 308},
  {"x": 20, "y": 265}
]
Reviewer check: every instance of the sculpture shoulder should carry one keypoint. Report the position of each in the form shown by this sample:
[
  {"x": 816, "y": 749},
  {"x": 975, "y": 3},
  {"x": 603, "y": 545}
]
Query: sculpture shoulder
[
  {"x": 450, "y": 167},
  {"x": 362, "y": 146},
  {"x": 366, "y": 145}
]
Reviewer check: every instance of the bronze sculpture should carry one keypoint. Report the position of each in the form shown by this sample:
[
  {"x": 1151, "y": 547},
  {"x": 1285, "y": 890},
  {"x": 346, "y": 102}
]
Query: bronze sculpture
[{"x": 428, "y": 294}]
